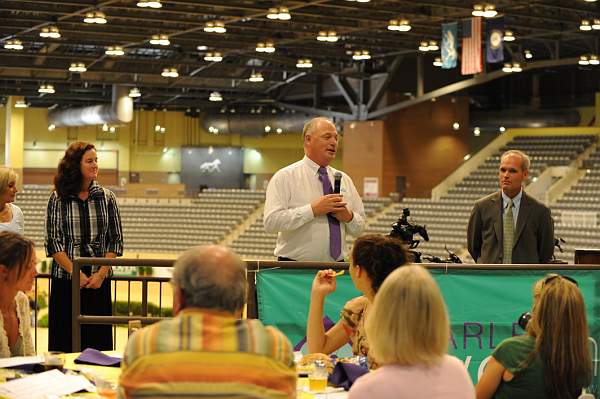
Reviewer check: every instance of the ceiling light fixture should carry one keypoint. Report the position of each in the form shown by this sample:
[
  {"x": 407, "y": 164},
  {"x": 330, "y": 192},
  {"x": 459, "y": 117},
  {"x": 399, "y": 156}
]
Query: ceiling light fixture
[
  {"x": 95, "y": 17},
  {"x": 169, "y": 73},
  {"x": 477, "y": 132},
  {"x": 149, "y": 3},
  {"x": 489, "y": 11},
  {"x": 304, "y": 63},
  {"x": 585, "y": 25},
  {"x": 360, "y": 1},
  {"x": 512, "y": 67},
  {"x": 402, "y": 25},
  {"x": 215, "y": 96},
  {"x": 438, "y": 62},
  {"x": 265, "y": 47},
  {"x": 13, "y": 44},
  {"x": 361, "y": 55},
  {"x": 528, "y": 54},
  {"x": 596, "y": 24},
  {"x": 594, "y": 60},
  {"x": 484, "y": 10},
  {"x": 256, "y": 77},
  {"x": 509, "y": 36},
  {"x": 161, "y": 40},
  {"x": 134, "y": 92},
  {"x": 51, "y": 127},
  {"x": 215, "y": 27},
  {"x": 330, "y": 37},
  {"x": 50, "y": 32},
  {"x": 21, "y": 104},
  {"x": 477, "y": 10},
  {"x": 584, "y": 60},
  {"x": 433, "y": 45},
  {"x": 213, "y": 56},
  {"x": 46, "y": 89},
  {"x": 424, "y": 46},
  {"x": 77, "y": 67},
  {"x": 281, "y": 13},
  {"x": 114, "y": 51}
]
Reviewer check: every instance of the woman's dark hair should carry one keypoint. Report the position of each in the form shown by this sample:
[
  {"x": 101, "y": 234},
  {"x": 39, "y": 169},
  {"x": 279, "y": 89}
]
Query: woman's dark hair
[
  {"x": 68, "y": 177},
  {"x": 379, "y": 255},
  {"x": 15, "y": 252}
]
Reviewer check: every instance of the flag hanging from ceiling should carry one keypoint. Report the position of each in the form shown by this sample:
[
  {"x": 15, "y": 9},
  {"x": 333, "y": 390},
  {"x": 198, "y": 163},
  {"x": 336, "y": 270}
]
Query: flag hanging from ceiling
[
  {"x": 493, "y": 40},
  {"x": 471, "y": 46},
  {"x": 449, "y": 45}
]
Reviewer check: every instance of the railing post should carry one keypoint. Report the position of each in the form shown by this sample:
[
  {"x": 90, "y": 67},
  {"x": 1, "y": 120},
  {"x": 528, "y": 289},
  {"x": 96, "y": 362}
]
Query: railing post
[{"x": 75, "y": 307}]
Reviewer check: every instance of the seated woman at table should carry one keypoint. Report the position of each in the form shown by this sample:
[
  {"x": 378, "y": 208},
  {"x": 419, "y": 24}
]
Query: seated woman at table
[
  {"x": 552, "y": 360},
  {"x": 409, "y": 332},
  {"x": 17, "y": 272},
  {"x": 372, "y": 259}
]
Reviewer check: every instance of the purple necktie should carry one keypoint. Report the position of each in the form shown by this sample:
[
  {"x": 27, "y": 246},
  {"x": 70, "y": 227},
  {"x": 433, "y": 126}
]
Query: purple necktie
[{"x": 335, "y": 232}]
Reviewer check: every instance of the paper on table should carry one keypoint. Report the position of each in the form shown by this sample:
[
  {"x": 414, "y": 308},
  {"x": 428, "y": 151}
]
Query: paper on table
[
  {"x": 40, "y": 385},
  {"x": 20, "y": 360}
]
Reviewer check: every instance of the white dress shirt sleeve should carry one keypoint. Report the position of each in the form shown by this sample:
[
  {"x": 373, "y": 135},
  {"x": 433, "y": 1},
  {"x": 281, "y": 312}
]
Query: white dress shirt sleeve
[
  {"x": 277, "y": 217},
  {"x": 357, "y": 225}
]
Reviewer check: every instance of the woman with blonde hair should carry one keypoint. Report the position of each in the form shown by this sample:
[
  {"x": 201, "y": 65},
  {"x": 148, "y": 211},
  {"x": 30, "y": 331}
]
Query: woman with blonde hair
[
  {"x": 17, "y": 272},
  {"x": 409, "y": 332},
  {"x": 552, "y": 361},
  {"x": 11, "y": 216}
]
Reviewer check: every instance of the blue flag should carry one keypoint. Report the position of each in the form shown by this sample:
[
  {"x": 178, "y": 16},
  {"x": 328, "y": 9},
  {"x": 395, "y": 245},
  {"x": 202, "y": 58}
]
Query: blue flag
[
  {"x": 493, "y": 40},
  {"x": 449, "y": 45}
]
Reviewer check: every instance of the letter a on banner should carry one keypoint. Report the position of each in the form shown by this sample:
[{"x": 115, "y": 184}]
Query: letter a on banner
[{"x": 449, "y": 45}]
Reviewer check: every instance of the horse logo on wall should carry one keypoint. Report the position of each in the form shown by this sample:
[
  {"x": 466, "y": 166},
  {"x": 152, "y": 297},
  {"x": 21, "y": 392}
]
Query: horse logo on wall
[{"x": 211, "y": 167}]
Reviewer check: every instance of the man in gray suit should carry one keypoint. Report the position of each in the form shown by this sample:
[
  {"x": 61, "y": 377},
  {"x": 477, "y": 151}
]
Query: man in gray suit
[{"x": 509, "y": 226}]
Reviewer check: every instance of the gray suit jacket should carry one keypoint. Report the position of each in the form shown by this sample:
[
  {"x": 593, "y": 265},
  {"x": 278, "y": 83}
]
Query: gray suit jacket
[{"x": 534, "y": 234}]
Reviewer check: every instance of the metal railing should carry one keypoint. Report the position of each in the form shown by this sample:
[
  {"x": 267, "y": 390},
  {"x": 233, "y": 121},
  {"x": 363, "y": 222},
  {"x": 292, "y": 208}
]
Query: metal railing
[{"x": 253, "y": 268}]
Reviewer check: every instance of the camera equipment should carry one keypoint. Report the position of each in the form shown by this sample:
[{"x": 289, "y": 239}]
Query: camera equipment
[
  {"x": 452, "y": 257},
  {"x": 557, "y": 242},
  {"x": 523, "y": 320},
  {"x": 405, "y": 231}
]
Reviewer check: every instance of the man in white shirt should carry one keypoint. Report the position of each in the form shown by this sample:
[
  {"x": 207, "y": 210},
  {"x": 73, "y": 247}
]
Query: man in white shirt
[{"x": 311, "y": 221}]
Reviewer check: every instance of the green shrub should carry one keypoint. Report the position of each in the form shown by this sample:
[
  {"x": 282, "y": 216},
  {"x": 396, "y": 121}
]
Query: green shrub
[
  {"x": 135, "y": 309},
  {"x": 43, "y": 321}
]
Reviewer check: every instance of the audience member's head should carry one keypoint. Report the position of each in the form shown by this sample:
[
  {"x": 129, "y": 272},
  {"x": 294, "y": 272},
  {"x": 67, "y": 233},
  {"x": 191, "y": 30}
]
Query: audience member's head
[
  {"x": 378, "y": 256},
  {"x": 8, "y": 179},
  {"x": 69, "y": 178},
  {"x": 209, "y": 277},
  {"x": 408, "y": 324},
  {"x": 17, "y": 262},
  {"x": 559, "y": 324}
]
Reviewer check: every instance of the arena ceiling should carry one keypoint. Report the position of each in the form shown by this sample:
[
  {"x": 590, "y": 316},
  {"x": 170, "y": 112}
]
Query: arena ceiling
[{"x": 550, "y": 29}]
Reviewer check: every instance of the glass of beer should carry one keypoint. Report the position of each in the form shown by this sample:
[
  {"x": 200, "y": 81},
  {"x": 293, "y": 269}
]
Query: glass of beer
[
  {"x": 317, "y": 379},
  {"x": 54, "y": 360}
]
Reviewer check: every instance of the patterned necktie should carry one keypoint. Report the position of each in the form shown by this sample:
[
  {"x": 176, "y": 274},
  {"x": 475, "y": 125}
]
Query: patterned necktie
[
  {"x": 508, "y": 233},
  {"x": 335, "y": 232}
]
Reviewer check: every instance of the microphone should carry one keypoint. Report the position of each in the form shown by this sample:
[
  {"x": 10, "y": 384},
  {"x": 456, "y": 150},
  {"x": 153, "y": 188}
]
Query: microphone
[{"x": 337, "y": 182}]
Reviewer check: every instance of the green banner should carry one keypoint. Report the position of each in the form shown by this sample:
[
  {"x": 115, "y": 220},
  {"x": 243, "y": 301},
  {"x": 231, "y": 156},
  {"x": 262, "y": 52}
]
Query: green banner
[{"x": 484, "y": 306}]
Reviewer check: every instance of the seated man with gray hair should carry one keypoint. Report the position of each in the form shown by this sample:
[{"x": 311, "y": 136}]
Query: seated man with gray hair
[{"x": 207, "y": 350}]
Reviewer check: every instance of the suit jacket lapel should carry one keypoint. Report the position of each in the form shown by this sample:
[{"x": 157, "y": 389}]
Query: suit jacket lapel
[
  {"x": 497, "y": 200},
  {"x": 524, "y": 211}
]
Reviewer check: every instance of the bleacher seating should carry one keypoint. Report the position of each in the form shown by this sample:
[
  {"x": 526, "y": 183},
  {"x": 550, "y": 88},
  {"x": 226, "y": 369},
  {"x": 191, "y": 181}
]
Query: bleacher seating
[
  {"x": 159, "y": 225},
  {"x": 576, "y": 212}
]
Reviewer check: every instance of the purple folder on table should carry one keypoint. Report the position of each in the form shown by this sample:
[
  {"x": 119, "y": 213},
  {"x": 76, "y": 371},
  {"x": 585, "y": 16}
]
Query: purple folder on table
[{"x": 97, "y": 358}]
